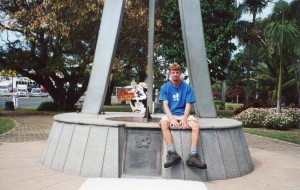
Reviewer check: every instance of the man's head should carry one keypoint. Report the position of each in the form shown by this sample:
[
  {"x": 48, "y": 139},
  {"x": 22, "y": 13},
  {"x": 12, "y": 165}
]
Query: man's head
[
  {"x": 174, "y": 67},
  {"x": 175, "y": 72}
]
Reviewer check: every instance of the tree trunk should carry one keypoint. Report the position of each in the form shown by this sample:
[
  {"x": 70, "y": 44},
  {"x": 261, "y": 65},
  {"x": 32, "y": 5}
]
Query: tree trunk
[
  {"x": 278, "y": 108},
  {"x": 248, "y": 82},
  {"x": 109, "y": 92},
  {"x": 297, "y": 73},
  {"x": 224, "y": 89}
]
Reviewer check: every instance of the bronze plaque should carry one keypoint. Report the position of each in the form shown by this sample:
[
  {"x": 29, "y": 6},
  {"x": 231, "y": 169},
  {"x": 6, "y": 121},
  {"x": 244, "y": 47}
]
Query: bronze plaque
[{"x": 143, "y": 152}]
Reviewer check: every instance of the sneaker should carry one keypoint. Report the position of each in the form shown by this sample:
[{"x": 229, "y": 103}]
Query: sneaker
[
  {"x": 194, "y": 160},
  {"x": 172, "y": 158}
]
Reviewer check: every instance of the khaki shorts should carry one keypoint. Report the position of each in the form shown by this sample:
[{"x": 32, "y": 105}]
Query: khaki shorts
[{"x": 178, "y": 118}]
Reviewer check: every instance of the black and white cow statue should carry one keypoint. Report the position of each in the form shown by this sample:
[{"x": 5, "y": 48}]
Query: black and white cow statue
[{"x": 138, "y": 104}]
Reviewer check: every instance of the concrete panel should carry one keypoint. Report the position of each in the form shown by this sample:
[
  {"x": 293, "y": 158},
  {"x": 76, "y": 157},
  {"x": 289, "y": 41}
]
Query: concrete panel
[
  {"x": 57, "y": 129},
  {"x": 213, "y": 156},
  {"x": 94, "y": 154},
  {"x": 111, "y": 162},
  {"x": 63, "y": 147},
  {"x": 228, "y": 154},
  {"x": 239, "y": 151},
  {"x": 190, "y": 173},
  {"x": 194, "y": 45},
  {"x": 104, "y": 55},
  {"x": 121, "y": 148},
  {"x": 143, "y": 152},
  {"x": 77, "y": 149},
  {"x": 176, "y": 171},
  {"x": 246, "y": 150},
  {"x": 48, "y": 142},
  {"x": 201, "y": 154}
]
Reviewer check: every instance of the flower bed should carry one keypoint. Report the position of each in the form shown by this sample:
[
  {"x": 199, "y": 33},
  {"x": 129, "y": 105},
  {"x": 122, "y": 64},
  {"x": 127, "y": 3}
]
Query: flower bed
[{"x": 268, "y": 118}]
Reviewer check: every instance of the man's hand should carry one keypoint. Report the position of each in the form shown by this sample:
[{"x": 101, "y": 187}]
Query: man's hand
[
  {"x": 183, "y": 124},
  {"x": 174, "y": 123}
]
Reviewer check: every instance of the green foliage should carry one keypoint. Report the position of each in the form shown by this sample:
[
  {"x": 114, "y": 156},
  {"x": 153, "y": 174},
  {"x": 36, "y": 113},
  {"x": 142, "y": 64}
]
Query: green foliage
[
  {"x": 221, "y": 107},
  {"x": 6, "y": 125},
  {"x": 218, "y": 102},
  {"x": 252, "y": 118},
  {"x": 47, "y": 106},
  {"x": 268, "y": 118},
  {"x": 230, "y": 107},
  {"x": 52, "y": 106},
  {"x": 219, "y": 28},
  {"x": 278, "y": 121},
  {"x": 270, "y": 50},
  {"x": 55, "y": 44},
  {"x": 294, "y": 114}
]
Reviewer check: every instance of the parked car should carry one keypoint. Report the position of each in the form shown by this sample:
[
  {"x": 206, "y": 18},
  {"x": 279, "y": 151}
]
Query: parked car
[{"x": 36, "y": 92}]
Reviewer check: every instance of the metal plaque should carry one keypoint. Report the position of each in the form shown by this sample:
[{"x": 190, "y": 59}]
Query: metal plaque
[{"x": 143, "y": 150}]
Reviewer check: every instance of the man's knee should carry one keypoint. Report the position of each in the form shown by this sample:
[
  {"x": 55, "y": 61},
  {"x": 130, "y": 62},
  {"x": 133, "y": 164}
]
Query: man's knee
[
  {"x": 165, "y": 125},
  {"x": 194, "y": 126}
]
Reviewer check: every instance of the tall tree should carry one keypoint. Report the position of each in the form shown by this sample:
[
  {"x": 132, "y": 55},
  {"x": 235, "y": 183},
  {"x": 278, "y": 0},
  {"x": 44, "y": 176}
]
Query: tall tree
[
  {"x": 283, "y": 35},
  {"x": 131, "y": 57},
  {"x": 252, "y": 7},
  {"x": 55, "y": 46},
  {"x": 219, "y": 29}
]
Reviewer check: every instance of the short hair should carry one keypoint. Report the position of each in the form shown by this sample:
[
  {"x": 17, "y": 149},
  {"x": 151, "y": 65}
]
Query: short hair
[{"x": 175, "y": 67}]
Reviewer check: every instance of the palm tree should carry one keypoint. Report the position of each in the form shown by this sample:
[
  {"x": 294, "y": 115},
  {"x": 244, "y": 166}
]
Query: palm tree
[
  {"x": 267, "y": 79},
  {"x": 283, "y": 35},
  {"x": 249, "y": 35}
]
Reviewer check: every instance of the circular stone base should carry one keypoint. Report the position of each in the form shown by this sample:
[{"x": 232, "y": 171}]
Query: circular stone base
[
  {"x": 95, "y": 146},
  {"x": 133, "y": 119}
]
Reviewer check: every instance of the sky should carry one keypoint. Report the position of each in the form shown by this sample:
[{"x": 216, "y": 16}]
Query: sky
[
  {"x": 264, "y": 13},
  {"x": 248, "y": 17}
]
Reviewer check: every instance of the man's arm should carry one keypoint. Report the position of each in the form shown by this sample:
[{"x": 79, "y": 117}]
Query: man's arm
[{"x": 169, "y": 114}]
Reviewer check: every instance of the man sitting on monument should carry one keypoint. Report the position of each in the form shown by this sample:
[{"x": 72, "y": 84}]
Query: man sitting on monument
[{"x": 178, "y": 97}]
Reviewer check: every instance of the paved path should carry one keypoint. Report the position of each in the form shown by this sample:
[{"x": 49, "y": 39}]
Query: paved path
[
  {"x": 277, "y": 164},
  {"x": 28, "y": 127}
]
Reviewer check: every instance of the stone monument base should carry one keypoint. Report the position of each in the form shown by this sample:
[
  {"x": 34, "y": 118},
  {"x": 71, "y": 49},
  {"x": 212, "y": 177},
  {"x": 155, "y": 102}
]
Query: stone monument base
[{"x": 121, "y": 145}]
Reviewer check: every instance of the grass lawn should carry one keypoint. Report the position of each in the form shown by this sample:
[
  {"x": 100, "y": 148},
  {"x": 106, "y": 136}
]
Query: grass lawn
[
  {"x": 117, "y": 108},
  {"x": 292, "y": 136},
  {"x": 6, "y": 125}
]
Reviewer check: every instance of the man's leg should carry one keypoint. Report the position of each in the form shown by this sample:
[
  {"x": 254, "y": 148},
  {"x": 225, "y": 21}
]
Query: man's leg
[
  {"x": 194, "y": 159},
  {"x": 172, "y": 156},
  {"x": 195, "y": 132},
  {"x": 165, "y": 128}
]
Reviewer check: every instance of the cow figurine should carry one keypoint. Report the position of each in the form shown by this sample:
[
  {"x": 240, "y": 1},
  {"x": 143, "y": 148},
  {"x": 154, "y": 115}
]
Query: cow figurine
[{"x": 137, "y": 97}]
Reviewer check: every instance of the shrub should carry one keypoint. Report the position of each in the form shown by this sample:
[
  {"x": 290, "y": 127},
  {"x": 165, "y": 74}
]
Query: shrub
[
  {"x": 221, "y": 107},
  {"x": 252, "y": 117},
  {"x": 259, "y": 117},
  {"x": 217, "y": 102},
  {"x": 230, "y": 107},
  {"x": 50, "y": 106},
  {"x": 294, "y": 113},
  {"x": 47, "y": 106},
  {"x": 278, "y": 121}
]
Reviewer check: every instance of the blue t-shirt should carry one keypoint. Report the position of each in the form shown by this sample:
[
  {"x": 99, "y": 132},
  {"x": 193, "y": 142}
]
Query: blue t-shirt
[{"x": 177, "y": 96}]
